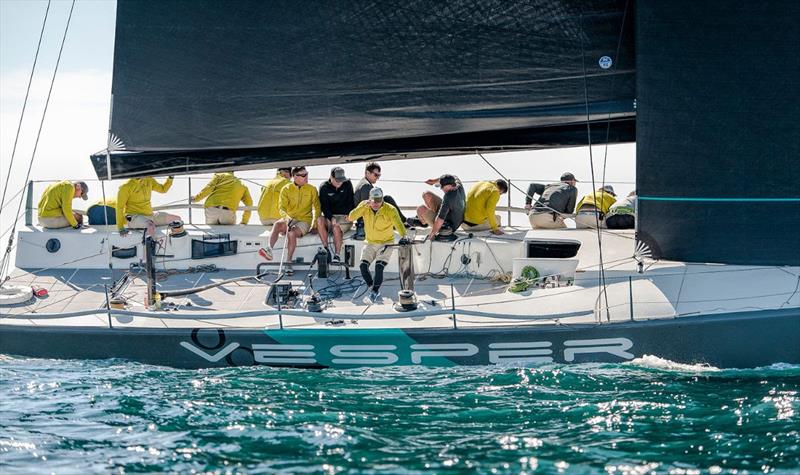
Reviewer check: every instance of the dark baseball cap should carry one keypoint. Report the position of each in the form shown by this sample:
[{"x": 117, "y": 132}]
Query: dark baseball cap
[
  {"x": 338, "y": 174},
  {"x": 566, "y": 176}
]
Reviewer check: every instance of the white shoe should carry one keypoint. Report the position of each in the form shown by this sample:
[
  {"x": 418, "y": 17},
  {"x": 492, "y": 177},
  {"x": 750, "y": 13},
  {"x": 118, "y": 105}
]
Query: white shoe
[
  {"x": 336, "y": 259},
  {"x": 374, "y": 295}
]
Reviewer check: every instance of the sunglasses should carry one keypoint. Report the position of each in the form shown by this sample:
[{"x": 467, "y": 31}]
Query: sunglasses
[
  {"x": 302, "y": 175},
  {"x": 376, "y": 173}
]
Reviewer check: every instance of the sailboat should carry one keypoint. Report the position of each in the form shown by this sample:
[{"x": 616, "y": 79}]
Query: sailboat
[{"x": 710, "y": 275}]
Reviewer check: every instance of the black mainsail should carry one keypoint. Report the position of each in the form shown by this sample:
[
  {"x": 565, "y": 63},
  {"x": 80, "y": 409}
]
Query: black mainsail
[{"x": 207, "y": 85}]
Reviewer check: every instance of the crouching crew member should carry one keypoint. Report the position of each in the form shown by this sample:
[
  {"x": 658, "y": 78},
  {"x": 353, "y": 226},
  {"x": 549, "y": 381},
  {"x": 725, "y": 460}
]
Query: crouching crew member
[
  {"x": 592, "y": 208},
  {"x": 372, "y": 173},
  {"x": 555, "y": 200},
  {"x": 622, "y": 214},
  {"x": 444, "y": 215},
  {"x": 103, "y": 212},
  {"x": 224, "y": 193},
  {"x": 299, "y": 207},
  {"x": 336, "y": 202},
  {"x": 55, "y": 206},
  {"x": 268, "y": 211},
  {"x": 134, "y": 207},
  {"x": 482, "y": 200},
  {"x": 380, "y": 218}
]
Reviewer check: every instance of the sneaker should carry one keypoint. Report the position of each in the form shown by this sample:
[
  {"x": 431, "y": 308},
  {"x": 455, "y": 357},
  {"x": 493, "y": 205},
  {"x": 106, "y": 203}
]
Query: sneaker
[
  {"x": 415, "y": 223},
  {"x": 336, "y": 259},
  {"x": 373, "y": 295},
  {"x": 266, "y": 253},
  {"x": 288, "y": 269}
]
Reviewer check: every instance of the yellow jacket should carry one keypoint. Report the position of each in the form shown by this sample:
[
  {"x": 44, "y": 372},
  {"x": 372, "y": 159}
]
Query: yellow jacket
[
  {"x": 481, "y": 202},
  {"x": 378, "y": 224},
  {"x": 297, "y": 202},
  {"x": 226, "y": 190},
  {"x": 600, "y": 199},
  {"x": 57, "y": 201},
  {"x": 268, "y": 203},
  {"x": 133, "y": 197}
]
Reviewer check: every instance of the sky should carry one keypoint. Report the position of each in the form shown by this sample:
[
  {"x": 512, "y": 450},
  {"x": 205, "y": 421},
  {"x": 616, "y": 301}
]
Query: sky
[{"x": 77, "y": 117}]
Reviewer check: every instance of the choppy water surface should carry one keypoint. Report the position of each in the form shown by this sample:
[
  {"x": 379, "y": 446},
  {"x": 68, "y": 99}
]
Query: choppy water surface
[{"x": 649, "y": 416}]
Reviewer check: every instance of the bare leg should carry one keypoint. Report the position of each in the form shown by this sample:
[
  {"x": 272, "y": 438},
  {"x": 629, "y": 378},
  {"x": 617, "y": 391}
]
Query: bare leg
[
  {"x": 338, "y": 237},
  {"x": 322, "y": 227},
  {"x": 277, "y": 229},
  {"x": 292, "y": 236}
]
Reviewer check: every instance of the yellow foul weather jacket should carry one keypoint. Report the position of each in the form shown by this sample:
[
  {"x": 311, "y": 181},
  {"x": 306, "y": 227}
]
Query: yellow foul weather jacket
[
  {"x": 599, "y": 199},
  {"x": 226, "y": 190},
  {"x": 297, "y": 202},
  {"x": 133, "y": 197},
  {"x": 57, "y": 201},
  {"x": 268, "y": 203},
  {"x": 378, "y": 224},
  {"x": 481, "y": 202}
]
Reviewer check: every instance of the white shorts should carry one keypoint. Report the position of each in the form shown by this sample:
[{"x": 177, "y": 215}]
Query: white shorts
[{"x": 545, "y": 221}]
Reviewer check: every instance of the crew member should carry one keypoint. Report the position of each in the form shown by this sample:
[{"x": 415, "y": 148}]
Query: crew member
[
  {"x": 380, "y": 218},
  {"x": 55, "y": 205},
  {"x": 103, "y": 212},
  {"x": 299, "y": 207},
  {"x": 482, "y": 200},
  {"x": 134, "y": 208},
  {"x": 622, "y": 214},
  {"x": 443, "y": 215},
  {"x": 555, "y": 200},
  {"x": 224, "y": 193},
  {"x": 592, "y": 208},
  {"x": 268, "y": 211},
  {"x": 336, "y": 202}
]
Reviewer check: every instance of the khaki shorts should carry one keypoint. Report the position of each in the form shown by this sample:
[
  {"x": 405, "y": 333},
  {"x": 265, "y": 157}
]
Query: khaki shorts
[
  {"x": 545, "y": 221},
  {"x": 301, "y": 226},
  {"x": 215, "y": 215},
  {"x": 372, "y": 252},
  {"x": 268, "y": 221},
  {"x": 587, "y": 220},
  {"x": 341, "y": 220},
  {"x": 140, "y": 221},
  {"x": 54, "y": 222},
  {"x": 429, "y": 216},
  {"x": 484, "y": 226}
]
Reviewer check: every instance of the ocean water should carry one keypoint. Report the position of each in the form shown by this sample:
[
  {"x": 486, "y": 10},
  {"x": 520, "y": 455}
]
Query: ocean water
[{"x": 649, "y": 416}]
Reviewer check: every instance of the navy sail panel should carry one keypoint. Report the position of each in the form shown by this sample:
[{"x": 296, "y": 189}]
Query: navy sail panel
[
  {"x": 718, "y": 135},
  {"x": 261, "y": 78}
]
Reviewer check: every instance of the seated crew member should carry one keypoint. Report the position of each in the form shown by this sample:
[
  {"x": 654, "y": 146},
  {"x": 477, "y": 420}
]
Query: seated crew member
[
  {"x": 55, "y": 205},
  {"x": 380, "y": 218},
  {"x": 443, "y": 215},
  {"x": 134, "y": 208},
  {"x": 482, "y": 200},
  {"x": 336, "y": 202},
  {"x": 299, "y": 207},
  {"x": 103, "y": 212},
  {"x": 224, "y": 193},
  {"x": 592, "y": 208},
  {"x": 372, "y": 172},
  {"x": 622, "y": 214},
  {"x": 555, "y": 200},
  {"x": 268, "y": 211}
]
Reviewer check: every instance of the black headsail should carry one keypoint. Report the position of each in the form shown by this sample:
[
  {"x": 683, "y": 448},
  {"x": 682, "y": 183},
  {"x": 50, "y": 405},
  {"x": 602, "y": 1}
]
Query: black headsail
[
  {"x": 718, "y": 130},
  {"x": 204, "y": 85}
]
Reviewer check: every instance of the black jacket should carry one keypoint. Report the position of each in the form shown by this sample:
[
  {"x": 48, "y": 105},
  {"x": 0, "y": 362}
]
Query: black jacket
[{"x": 336, "y": 200}]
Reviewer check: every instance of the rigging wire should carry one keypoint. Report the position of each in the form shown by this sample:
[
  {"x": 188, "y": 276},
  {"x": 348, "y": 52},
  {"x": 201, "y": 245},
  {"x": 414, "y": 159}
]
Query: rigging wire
[
  {"x": 602, "y": 275},
  {"x": 24, "y": 106},
  {"x": 5, "y": 259}
]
